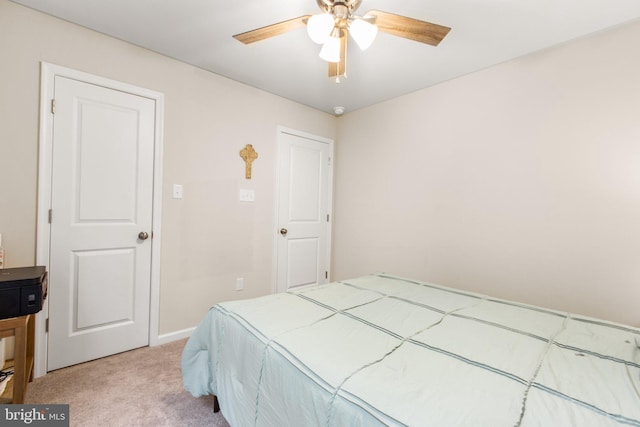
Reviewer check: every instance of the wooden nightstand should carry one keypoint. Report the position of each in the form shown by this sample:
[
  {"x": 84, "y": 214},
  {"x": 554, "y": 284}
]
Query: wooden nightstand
[{"x": 23, "y": 329}]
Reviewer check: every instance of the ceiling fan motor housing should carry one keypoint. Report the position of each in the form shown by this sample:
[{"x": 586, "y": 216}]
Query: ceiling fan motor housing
[{"x": 340, "y": 8}]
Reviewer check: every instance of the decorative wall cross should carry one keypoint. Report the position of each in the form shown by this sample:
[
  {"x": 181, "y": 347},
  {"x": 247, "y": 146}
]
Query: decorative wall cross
[{"x": 249, "y": 155}]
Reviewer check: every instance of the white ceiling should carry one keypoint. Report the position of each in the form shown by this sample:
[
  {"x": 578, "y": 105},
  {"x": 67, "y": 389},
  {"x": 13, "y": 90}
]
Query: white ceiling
[{"x": 484, "y": 33}]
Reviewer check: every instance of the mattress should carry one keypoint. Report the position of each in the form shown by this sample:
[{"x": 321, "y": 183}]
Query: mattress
[{"x": 382, "y": 350}]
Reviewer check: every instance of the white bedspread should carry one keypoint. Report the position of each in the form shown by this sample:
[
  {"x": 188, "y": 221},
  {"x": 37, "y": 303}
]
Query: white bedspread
[{"x": 381, "y": 350}]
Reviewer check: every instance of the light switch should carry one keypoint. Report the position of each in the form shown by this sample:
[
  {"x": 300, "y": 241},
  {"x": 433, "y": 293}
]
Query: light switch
[
  {"x": 247, "y": 196},
  {"x": 177, "y": 191}
]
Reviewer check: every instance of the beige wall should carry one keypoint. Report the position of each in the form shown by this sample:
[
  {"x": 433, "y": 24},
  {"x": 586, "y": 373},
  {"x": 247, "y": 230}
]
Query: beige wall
[
  {"x": 208, "y": 238},
  {"x": 522, "y": 181}
]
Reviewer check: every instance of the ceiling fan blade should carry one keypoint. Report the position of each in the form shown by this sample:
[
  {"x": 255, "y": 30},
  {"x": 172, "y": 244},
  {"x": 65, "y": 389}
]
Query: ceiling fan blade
[
  {"x": 409, "y": 28},
  {"x": 272, "y": 30},
  {"x": 337, "y": 69}
]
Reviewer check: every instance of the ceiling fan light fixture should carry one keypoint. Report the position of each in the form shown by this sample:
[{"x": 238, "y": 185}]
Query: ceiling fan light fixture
[
  {"x": 331, "y": 29},
  {"x": 363, "y": 32},
  {"x": 330, "y": 51},
  {"x": 319, "y": 27}
]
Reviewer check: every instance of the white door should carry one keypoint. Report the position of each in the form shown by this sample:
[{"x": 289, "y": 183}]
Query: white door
[
  {"x": 304, "y": 205},
  {"x": 101, "y": 221}
]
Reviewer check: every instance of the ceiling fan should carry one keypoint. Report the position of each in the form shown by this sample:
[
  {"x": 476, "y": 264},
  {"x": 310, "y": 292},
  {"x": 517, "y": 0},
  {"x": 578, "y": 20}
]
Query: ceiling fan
[{"x": 338, "y": 19}]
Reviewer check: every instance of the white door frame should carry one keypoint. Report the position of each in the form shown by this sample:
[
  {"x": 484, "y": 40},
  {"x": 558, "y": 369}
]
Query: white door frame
[
  {"x": 276, "y": 225},
  {"x": 48, "y": 72}
]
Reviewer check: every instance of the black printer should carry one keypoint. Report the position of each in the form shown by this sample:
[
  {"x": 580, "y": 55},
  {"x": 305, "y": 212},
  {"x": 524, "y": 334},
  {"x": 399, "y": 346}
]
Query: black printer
[{"x": 22, "y": 291}]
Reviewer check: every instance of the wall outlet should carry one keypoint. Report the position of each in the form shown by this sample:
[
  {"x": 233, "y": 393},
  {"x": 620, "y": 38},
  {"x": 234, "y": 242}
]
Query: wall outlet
[{"x": 239, "y": 284}]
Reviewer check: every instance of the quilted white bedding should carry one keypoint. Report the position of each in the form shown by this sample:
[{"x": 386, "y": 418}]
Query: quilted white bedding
[{"x": 386, "y": 351}]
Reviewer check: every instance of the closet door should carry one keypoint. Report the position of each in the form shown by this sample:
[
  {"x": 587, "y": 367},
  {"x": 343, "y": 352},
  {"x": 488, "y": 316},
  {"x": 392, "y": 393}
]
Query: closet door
[
  {"x": 304, "y": 204},
  {"x": 101, "y": 222}
]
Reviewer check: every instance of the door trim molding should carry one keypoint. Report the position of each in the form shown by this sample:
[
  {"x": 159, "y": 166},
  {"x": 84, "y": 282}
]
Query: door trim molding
[
  {"x": 276, "y": 226},
  {"x": 48, "y": 72}
]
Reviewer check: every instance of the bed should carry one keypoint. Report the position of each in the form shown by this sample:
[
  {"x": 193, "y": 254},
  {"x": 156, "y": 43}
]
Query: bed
[{"x": 382, "y": 350}]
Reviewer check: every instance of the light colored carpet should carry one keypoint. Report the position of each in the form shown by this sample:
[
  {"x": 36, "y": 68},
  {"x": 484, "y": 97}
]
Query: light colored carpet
[{"x": 141, "y": 387}]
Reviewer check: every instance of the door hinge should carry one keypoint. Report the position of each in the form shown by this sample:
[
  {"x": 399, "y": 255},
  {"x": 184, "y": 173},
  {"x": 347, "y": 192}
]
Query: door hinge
[
  {"x": 326, "y": 274},
  {"x": 46, "y": 325},
  {"x": 329, "y": 159},
  {"x": 50, "y": 215},
  {"x": 327, "y": 217},
  {"x": 53, "y": 106}
]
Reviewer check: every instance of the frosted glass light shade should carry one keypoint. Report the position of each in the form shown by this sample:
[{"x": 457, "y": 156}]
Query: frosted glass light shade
[
  {"x": 363, "y": 33},
  {"x": 330, "y": 51},
  {"x": 319, "y": 27}
]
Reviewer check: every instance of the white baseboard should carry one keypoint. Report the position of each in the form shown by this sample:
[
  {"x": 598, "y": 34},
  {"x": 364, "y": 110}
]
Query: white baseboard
[{"x": 172, "y": 336}]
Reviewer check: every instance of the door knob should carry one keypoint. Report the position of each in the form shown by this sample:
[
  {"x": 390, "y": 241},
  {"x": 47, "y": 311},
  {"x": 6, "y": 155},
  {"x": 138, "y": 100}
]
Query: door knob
[
  {"x": 143, "y": 235},
  {"x": 284, "y": 231}
]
